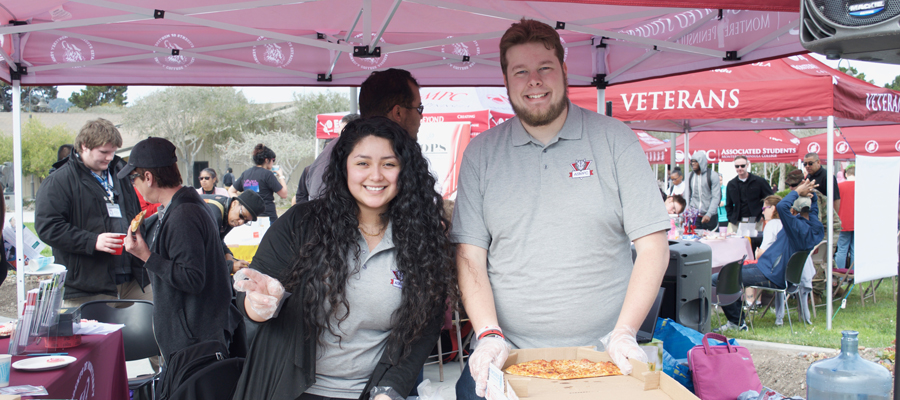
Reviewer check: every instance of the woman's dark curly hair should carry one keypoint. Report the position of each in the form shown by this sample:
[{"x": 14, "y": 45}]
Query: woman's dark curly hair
[
  {"x": 420, "y": 235},
  {"x": 261, "y": 153}
]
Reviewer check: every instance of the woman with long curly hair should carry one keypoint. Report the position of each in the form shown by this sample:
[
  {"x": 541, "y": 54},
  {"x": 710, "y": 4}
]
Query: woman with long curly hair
[
  {"x": 262, "y": 179},
  {"x": 363, "y": 277}
]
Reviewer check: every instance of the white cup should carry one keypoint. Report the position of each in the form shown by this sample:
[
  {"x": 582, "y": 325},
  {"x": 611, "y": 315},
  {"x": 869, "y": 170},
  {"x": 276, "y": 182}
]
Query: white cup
[{"x": 5, "y": 361}]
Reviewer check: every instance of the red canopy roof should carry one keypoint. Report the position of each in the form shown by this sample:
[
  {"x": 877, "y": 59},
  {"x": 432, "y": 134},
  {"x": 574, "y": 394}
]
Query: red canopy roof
[
  {"x": 792, "y": 92},
  {"x": 856, "y": 141},
  {"x": 763, "y": 146}
]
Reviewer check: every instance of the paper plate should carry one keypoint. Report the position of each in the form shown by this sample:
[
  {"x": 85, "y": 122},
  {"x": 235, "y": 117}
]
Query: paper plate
[
  {"x": 48, "y": 270},
  {"x": 43, "y": 363}
]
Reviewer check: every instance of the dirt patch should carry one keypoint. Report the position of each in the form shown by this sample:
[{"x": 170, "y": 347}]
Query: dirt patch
[{"x": 785, "y": 370}]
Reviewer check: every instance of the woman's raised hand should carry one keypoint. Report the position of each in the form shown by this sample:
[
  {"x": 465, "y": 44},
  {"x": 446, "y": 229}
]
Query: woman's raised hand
[{"x": 263, "y": 291}]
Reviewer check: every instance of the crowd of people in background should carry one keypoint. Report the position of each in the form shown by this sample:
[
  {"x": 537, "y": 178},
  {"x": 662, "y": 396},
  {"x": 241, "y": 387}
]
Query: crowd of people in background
[{"x": 348, "y": 289}]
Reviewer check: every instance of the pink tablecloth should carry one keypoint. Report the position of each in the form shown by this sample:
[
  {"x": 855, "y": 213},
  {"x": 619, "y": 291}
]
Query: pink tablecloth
[
  {"x": 98, "y": 374},
  {"x": 728, "y": 250}
]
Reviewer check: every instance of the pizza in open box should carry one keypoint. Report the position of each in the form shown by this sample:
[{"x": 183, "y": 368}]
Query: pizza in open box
[{"x": 564, "y": 369}]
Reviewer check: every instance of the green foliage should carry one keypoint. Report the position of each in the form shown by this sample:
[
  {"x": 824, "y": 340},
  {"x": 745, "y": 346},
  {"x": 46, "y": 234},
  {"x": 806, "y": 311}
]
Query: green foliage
[
  {"x": 31, "y": 97},
  {"x": 876, "y": 323},
  {"x": 302, "y": 116},
  {"x": 39, "y": 146},
  {"x": 92, "y": 96},
  {"x": 895, "y": 85},
  {"x": 192, "y": 116},
  {"x": 856, "y": 74}
]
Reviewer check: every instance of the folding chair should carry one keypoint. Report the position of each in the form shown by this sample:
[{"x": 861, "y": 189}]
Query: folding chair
[
  {"x": 792, "y": 277},
  {"x": 730, "y": 284},
  {"x": 455, "y": 329},
  {"x": 820, "y": 262},
  {"x": 137, "y": 333}
]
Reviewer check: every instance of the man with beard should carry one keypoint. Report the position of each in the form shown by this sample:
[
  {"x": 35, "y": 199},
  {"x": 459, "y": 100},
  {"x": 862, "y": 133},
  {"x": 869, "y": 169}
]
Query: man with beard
[{"x": 550, "y": 265}]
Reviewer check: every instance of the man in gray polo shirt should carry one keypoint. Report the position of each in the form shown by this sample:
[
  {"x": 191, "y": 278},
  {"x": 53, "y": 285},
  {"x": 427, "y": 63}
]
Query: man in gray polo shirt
[{"x": 547, "y": 205}]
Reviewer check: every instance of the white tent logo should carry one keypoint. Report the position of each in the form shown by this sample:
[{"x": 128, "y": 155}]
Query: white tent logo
[
  {"x": 871, "y": 146},
  {"x": 842, "y": 147},
  {"x": 368, "y": 63},
  {"x": 813, "y": 148},
  {"x": 71, "y": 50},
  {"x": 174, "y": 41},
  {"x": 273, "y": 54},
  {"x": 897, "y": 146},
  {"x": 470, "y": 49}
]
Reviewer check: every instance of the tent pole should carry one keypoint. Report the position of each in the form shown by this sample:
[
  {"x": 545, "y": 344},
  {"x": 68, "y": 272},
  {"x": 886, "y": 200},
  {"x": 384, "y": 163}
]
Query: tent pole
[
  {"x": 601, "y": 101},
  {"x": 354, "y": 105},
  {"x": 674, "y": 159},
  {"x": 829, "y": 230},
  {"x": 687, "y": 153},
  {"x": 17, "y": 168}
]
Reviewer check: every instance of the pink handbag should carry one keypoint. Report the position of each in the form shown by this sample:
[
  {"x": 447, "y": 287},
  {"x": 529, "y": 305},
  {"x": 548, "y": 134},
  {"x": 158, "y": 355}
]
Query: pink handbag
[{"x": 721, "y": 372}]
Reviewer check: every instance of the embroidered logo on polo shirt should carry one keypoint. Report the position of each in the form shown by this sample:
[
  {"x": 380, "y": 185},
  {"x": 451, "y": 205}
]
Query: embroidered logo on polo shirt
[
  {"x": 581, "y": 169},
  {"x": 397, "y": 282}
]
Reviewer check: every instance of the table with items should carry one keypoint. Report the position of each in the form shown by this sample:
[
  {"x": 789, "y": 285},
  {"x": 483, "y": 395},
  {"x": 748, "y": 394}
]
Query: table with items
[{"x": 93, "y": 370}]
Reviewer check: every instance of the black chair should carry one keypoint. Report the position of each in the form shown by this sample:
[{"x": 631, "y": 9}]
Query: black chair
[
  {"x": 216, "y": 381},
  {"x": 137, "y": 333},
  {"x": 730, "y": 283},
  {"x": 792, "y": 277}
]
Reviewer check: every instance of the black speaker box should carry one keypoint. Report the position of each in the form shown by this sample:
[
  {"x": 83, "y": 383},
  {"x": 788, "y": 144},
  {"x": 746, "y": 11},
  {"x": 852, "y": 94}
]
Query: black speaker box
[
  {"x": 864, "y": 30},
  {"x": 687, "y": 282}
]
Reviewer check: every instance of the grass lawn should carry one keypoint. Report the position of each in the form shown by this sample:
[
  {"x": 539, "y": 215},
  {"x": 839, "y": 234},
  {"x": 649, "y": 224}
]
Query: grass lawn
[{"x": 875, "y": 322}]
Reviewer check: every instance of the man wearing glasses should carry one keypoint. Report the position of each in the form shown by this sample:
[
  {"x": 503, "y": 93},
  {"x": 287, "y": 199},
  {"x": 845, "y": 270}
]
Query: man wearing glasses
[
  {"x": 232, "y": 212},
  {"x": 182, "y": 252},
  {"x": 744, "y": 196},
  {"x": 815, "y": 172},
  {"x": 392, "y": 93},
  {"x": 79, "y": 211}
]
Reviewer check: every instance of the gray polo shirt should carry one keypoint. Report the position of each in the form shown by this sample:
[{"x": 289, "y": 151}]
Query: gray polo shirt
[
  {"x": 345, "y": 364},
  {"x": 557, "y": 222}
]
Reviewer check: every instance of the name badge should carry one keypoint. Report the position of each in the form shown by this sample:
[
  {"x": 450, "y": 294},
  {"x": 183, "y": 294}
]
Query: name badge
[{"x": 114, "y": 210}]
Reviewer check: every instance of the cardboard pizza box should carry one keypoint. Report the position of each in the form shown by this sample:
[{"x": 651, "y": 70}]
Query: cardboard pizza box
[{"x": 640, "y": 384}]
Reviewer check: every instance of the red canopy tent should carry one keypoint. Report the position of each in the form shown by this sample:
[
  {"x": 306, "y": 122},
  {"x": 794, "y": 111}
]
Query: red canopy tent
[
  {"x": 787, "y": 93},
  {"x": 882, "y": 141},
  {"x": 763, "y": 146},
  {"x": 649, "y": 142}
]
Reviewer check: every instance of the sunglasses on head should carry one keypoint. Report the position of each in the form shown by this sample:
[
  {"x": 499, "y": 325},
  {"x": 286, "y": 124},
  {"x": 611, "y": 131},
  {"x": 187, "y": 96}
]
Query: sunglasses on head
[{"x": 808, "y": 163}]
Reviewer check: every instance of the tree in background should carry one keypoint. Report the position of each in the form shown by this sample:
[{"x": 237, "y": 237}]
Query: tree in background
[
  {"x": 300, "y": 118},
  {"x": 92, "y": 96},
  {"x": 856, "y": 74},
  {"x": 895, "y": 85},
  {"x": 39, "y": 146},
  {"x": 34, "y": 98},
  {"x": 192, "y": 116},
  {"x": 291, "y": 150}
]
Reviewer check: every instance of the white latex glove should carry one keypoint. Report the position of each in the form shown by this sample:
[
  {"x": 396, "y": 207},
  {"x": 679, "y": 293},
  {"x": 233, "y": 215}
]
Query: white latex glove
[
  {"x": 263, "y": 291},
  {"x": 621, "y": 346},
  {"x": 490, "y": 350}
]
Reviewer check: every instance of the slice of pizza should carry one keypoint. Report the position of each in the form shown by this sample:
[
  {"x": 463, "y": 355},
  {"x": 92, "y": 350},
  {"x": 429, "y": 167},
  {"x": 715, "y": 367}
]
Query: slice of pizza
[{"x": 136, "y": 222}]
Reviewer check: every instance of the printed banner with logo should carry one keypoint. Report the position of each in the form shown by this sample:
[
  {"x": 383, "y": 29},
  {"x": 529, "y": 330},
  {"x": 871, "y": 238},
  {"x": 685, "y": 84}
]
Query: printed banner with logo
[
  {"x": 764, "y": 146},
  {"x": 881, "y": 141},
  {"x": 787, "y": 93},
  {"x": 443, "y": 144}
]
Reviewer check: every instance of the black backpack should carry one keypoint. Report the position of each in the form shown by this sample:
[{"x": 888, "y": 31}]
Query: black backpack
[{"x": 186, "y": 362}]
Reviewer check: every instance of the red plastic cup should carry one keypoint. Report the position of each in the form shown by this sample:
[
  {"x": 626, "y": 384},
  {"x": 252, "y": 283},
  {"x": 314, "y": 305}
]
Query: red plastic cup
[{"x": 121, "y": 236}]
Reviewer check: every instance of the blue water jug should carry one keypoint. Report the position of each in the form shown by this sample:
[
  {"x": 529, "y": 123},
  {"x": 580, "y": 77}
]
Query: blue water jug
[{"x": 848, "y": 376}]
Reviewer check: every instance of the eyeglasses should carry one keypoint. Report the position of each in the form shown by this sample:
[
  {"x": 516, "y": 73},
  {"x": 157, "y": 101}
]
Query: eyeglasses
[
  {"x": 420, "y": 108},
  {"x": 809, "y": 163},
  {"x": 766, "y": 207},
  {"x": 242, "y": 216},
  {"x": 205, "y": 178},
  {"x": 133, "y": 177},
  {"x": 740, "y": 165}
]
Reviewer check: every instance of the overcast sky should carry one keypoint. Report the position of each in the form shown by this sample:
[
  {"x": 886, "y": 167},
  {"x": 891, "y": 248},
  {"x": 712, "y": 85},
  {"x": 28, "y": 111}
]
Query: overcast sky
[{"x": 880, "y": 73}]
